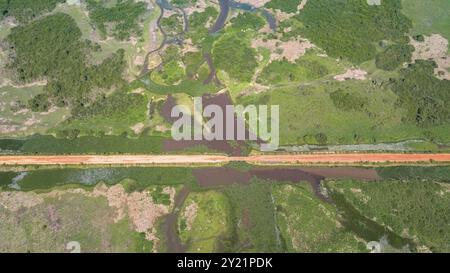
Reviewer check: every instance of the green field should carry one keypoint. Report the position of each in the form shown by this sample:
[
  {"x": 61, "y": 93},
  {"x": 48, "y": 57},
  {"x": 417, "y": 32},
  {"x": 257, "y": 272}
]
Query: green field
[
  {"x": 204, "y": 221},
  {"x": 395, "y": 205},
  {"x": 264, "y": 216},
  {"x": 428, "y": 17},
  {"x": 73, "y": 217}
]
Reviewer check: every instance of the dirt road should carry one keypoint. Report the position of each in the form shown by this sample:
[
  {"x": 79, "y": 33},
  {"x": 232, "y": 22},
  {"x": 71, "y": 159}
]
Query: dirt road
[{"x": 307, "y": 159}]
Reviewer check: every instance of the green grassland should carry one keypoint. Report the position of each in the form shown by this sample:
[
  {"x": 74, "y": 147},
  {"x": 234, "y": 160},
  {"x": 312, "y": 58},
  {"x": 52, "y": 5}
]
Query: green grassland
[
  {"x": 19, "y": 119},
  {"x": 263, "y": 216},
  {"x": 310, "y": 109},
  {"x": 308, "y": 68},
  {"x": 111, "y": 115},
  {"x": 210, "y": 222},
  {"x": 68, "y": 142},
  {"x": 26, "y": 10},
  {"x": 309, "y": 225},
  {"x": 134, "y": 178},
  {"x": 87, "y": 220},
  {"x": 253, "y": 218},
  {"x": 350, "y": 29},
  {"x": 414, "y": 209},
  {"x": 100, "y": 68},
  {"x": 428, "y": 17}
]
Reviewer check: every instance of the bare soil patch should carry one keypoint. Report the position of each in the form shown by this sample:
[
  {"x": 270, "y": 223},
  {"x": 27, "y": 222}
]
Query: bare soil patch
[
  {"x": 434, "y": 47},
  {"x": 290, "y": 50},
  {"x": 351, "y": 74}
]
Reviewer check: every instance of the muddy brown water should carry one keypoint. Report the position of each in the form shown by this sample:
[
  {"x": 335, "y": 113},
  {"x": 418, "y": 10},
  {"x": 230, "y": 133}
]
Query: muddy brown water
[
  {"x": 219, "y": 177},
  {"x": 216, "y": 177},
  {"x": 235, "y": 148},
  {"x": 170, "y": 224}
]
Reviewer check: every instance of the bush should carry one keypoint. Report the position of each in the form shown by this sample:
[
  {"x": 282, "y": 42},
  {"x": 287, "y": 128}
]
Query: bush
[
  {"x": 289, "y": 6},
  {"x": 123, "y": 17},
  {"x": 247, "y": 20},
  {"x": 347, "y": 101},
  {"x": 350, "y": 29},
  {"x": 232, "y": 55},
  {"x": 25, "y": 10},
  {"x": 425, "y": 96},
  {"x": 393, "y": 56},
  {"x": 51, "y": 48}
]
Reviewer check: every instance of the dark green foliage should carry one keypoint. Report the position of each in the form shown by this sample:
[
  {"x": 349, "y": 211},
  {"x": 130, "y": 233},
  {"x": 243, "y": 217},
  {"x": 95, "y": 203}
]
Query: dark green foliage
[
  {"x": 193, "y": 61},
  {"x": 321, "y": 138},
  {"x": 232, "y": 55},
  {"x": 421, "y": 207},
  {"x": 68, "y": 134},
  {"x": 355, "y": 221},
  {"x": 123, "y": 16},
  {"x": 172, "y": 24},
  {"x": 25, "y": 10},
  {"x": 91, "y": 145},
  {"x": 347, "y": 101},
  {"x": 424, "y": 96},
  {"x": 198, "y": 22},
  {"x": 117, "y": 103},
  {"x": 39, "y": 103},
  {"x": 419, "y": 38},
  {"x": 285, "y": 71},
  {"x": 144, "y": 177},
  {"x": 247, "y": 21},
  {"x": 190, "y": 87},
  {"x": 350, "y": 28},
  {"x": 441, "y": 173},
  {"x": 51, "y": 49},
  {"x": 393, "y": 56},
  {"x": 172, "y": 53},
  {"x": 253, "y": 209},
  {"x": 289, "y": 6}
]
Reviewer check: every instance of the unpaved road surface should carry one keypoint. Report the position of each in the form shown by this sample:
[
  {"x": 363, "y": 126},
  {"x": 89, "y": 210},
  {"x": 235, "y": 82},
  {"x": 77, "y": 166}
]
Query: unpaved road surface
[{"x": 306, "y": 159}]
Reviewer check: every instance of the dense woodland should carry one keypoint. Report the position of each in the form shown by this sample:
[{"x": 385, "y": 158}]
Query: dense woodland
[
  {"x": 26, "y": 10},
  {"x": 51, "y": 48},
  {"x": 120, "y": 21}
]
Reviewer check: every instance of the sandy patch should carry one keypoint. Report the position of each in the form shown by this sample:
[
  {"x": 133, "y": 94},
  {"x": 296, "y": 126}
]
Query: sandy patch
[
  {"x": 31, "y": 121},
  {"x": 51, "y": 110},
  {"x": 168, "y": 13},
  {"x": 290, "y": 50},
  {"x": 22, "y": 112},
  {"x": 255, "y": 88},
  {"x": 374, "y": 2},
  {"x": 352, "y": 74},
  {"x": 302, "y": 4},
  {"x": 161, "y": 128},
  {"x": 138, "y": 128},
  {"x": 7, "y": 82},
  {"x": 13, "y": 201},
  {"x": 188, "y": 46},
  {"x": 139, "y": 90},
  {"x": 139, "y": 60},
  {"x": 281, "y": 16},
  {"x": 138, "y": 205},
  {"x": 434, "y": 47},
  {"x": 200, "y": 6},
  {"x": 190, "y": 213}
]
